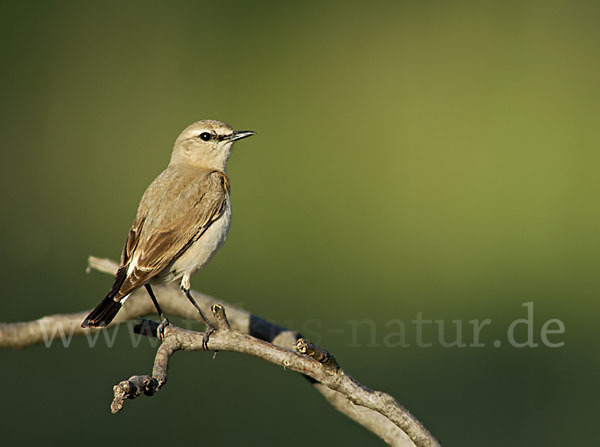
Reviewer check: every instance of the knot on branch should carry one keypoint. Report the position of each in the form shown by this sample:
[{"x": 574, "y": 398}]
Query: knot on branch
[
  {"x": 132, "y": 388},
  {"x": 303, "y": 346}
]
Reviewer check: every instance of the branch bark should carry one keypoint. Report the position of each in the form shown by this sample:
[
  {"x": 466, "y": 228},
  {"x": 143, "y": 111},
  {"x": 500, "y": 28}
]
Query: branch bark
[{"x": 239, "y": 331}]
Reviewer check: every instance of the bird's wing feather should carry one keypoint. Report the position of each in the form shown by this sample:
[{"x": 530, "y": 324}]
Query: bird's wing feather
[{"x": 175, "y": 210}]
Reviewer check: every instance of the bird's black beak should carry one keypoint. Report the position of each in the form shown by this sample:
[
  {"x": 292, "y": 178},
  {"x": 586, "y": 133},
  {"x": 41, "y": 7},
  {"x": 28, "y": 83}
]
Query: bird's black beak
[{"x": 239, "y": 134}]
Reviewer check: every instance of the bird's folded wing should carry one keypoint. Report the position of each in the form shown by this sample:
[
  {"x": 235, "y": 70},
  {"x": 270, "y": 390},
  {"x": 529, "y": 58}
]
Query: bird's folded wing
[{"x": 175, "y": 210}]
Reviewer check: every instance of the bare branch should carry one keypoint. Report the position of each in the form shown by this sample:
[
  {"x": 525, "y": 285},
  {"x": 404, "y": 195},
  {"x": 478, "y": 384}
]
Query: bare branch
[
  {"x": 136, "y": 385},
  {"x": 238, "y": 331}
]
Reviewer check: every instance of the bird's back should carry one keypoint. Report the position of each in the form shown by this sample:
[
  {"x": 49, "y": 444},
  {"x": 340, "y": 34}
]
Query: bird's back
[{"x": 174, "y": 212}]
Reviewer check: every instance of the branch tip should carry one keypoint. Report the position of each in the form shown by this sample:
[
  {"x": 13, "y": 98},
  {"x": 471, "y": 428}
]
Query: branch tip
[
  {"x": 303, "y": 346},
  {"x": 132, "y": 388},
  {"x": 219, "y": 313}
]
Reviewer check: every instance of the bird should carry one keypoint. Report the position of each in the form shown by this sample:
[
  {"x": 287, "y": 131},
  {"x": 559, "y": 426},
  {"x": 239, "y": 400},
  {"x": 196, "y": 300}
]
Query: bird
[{"x": 182, "y": 219}]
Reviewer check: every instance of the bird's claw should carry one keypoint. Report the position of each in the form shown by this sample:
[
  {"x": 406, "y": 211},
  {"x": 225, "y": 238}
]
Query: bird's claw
[{"x": 209, "y": 331}]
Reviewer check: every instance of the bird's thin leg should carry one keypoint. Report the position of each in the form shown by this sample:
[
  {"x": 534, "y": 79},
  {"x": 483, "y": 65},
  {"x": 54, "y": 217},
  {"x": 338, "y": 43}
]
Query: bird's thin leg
[
  {"x": 153, "y": 298},
  {"x": 164, "y": 321},
  {"x": 210, "y": 328},
  {"x": 193, "y": 301}
]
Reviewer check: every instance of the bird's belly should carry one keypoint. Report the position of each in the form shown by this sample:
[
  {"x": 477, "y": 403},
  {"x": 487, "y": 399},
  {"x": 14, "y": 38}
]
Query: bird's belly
[{"x": 200, "y": 252}]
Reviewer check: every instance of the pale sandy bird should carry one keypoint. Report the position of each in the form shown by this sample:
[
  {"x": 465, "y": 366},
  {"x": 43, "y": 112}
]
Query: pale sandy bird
[{"x": 182, "y": 219}]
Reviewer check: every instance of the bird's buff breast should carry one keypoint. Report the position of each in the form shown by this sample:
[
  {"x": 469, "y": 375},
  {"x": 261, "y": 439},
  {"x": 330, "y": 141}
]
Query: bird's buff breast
[{"x": 200, "y": 252}]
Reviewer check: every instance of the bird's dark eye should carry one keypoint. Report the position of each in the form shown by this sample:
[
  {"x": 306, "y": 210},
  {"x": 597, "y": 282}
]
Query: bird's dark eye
[{"x": 205, "y": 136}]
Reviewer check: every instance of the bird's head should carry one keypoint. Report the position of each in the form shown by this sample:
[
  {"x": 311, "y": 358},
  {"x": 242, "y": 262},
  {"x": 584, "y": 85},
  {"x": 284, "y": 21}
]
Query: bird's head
[{"x": 207, "y": 144}]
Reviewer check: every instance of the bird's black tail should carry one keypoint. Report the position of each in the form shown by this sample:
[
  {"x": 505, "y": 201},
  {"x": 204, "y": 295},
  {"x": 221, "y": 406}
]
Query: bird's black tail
[{"x": 104, "y": 312}]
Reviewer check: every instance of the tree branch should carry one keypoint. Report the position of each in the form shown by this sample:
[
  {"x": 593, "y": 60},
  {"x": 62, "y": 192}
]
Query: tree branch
[{"x": 239, "y": 331}]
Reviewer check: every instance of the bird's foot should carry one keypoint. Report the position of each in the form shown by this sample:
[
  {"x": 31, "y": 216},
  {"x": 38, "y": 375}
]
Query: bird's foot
[{"x": 210, "y": 329}]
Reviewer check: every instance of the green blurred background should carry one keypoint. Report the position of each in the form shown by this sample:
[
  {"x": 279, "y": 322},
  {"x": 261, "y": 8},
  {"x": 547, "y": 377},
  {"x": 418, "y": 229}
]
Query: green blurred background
[{"x": 434, "y": 157}]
